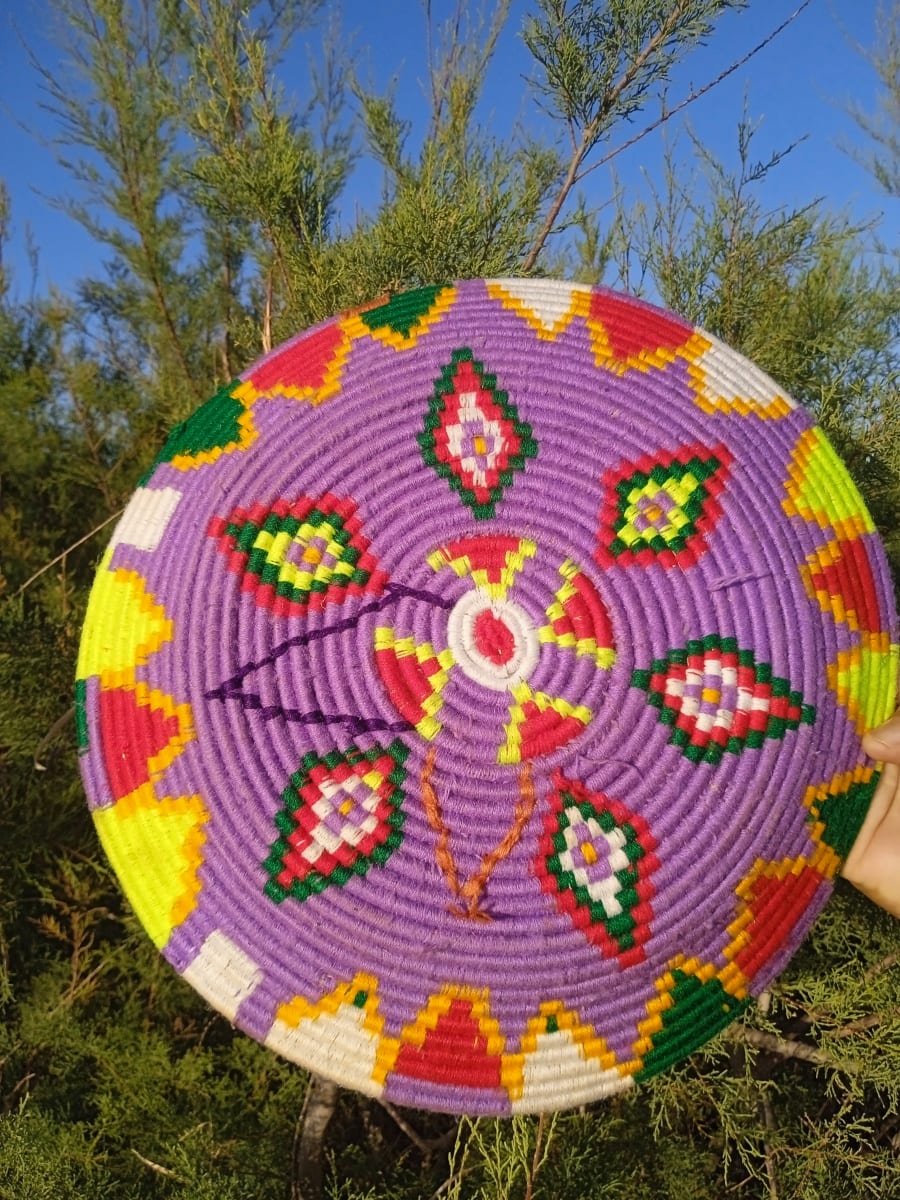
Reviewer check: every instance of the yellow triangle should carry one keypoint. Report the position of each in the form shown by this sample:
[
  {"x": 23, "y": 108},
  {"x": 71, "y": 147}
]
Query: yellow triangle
[
  {"x": 864, "y": 680},
  {"x": 820, "y": 491},
  {"x": 124, "y": 625},
  {"x": 155, "y": 847}
]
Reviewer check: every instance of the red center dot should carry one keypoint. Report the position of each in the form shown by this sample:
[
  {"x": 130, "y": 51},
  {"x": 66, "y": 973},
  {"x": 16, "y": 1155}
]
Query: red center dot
[{"x": 493, "y": 638}]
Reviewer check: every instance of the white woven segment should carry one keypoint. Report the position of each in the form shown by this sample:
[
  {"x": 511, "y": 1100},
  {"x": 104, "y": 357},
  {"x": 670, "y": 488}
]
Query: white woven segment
[
  {"x": 549, "y": 302},
  {"x": 558, "y": 1071},
  {"x": 146, "y": 518},
  {"x": 726, "y": 378},
  {"x": 223, "y": 974},
  {"x": 340, "y": 1039}
]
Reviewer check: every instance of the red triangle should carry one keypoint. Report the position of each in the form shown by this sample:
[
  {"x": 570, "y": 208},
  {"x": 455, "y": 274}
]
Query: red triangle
[
  {"x": 302, "y": 364},
  {"x": 843, "y": 569},
  {"x": 488, "y": 553},
  {"x": 543, "y": 731},
  {"x": 587, "y": 612},
  {"x": 776, "y": 906},
  {"x": 454, "y": 1052},
  {"x": 631, "y": 328},
  {"x": 131, "y": 734}
]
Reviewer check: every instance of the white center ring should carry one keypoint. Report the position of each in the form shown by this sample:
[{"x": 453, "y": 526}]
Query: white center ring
[{"x": 493, "y": 641}]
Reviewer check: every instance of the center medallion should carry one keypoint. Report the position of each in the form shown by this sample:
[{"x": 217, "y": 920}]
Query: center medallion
[{"x": 493, "y": 640}]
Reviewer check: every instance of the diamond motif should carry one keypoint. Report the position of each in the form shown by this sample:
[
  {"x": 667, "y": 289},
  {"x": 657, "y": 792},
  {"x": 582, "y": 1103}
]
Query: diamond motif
[
  {"x": 717, "y": 698},
  {"x": 473, "y": 436},
  {"x": 662, "y": 507},
  {"x": 297, "y": 557},
  {"x": 341, "y": 814},
  {"x": 596, "y": 858}
]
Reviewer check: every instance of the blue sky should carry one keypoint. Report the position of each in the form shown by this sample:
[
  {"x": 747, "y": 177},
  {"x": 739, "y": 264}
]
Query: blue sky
[{"x": 800, "y": 85}]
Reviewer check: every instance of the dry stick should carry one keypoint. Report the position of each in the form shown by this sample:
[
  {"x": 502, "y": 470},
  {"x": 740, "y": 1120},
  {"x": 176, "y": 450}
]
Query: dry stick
[
  {"x": 318, "y": 1109},
  {"x": 55, "y": 729},
  {"x": 536, "y": 1158},
  {"x": 769, "y": 1119},
  {"x": 786, "y": 1048},
  {"x": 68, "y": 550},
  {"x": 574, "y": 176},
  {"x": 592, "y": 131},
  {"x": 695, "y": 95},
  {"x": 160, "y": 1170},
  {"x": 425, "y": 1146}
]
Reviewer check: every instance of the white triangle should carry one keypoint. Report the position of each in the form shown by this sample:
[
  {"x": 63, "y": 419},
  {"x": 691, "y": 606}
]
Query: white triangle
[
  {"x": 341, "y": 1040},
  {"x": 559, "y": 1069},
  {"x": 546, "y": 304}
]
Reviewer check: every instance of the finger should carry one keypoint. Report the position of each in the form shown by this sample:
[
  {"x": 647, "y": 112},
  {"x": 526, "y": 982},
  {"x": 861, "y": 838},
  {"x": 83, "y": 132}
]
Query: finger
[{"x": 883, "y": 743}]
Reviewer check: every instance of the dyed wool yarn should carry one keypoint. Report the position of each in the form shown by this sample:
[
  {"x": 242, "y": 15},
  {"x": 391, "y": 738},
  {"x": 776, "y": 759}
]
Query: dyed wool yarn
[{"x": 470, "y": 698}]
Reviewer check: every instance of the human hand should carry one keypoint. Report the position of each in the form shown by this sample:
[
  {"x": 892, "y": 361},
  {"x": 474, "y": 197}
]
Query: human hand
[{"x": 873, "y": 865}]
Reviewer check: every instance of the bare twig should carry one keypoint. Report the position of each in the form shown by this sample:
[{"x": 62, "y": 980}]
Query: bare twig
[
  {"x": 786, "y": 1048},
  {"x": 154, "y": 1166},
  {"x": 536, "y": 1158},
  {"x": 53, "y": 732},
  {"x": 769, "y": 1122},
  {"x": 696, "y": 94},
  {"x": 872, "y": 1021},
  {"x": 309, "y": 1141},
  {"x": 885, "y": 964},
  {"x": 68, "y": 550},
  {"x": 425, "y": 1146}
]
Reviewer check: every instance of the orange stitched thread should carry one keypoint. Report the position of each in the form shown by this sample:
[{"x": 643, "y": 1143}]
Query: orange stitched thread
[
  {"x": 442, "y": 852},
  {"x": 527, "y": 799},
  {"x": 473, "y": 888}
]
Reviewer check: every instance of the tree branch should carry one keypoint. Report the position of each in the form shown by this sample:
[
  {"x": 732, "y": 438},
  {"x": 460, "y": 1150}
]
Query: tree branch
[
  {"x": 46, "y": 567},
  {"x": 575, "y": 174},
  {"x": 786, "y": 1048},
  {"x": 696, "y": 94}
]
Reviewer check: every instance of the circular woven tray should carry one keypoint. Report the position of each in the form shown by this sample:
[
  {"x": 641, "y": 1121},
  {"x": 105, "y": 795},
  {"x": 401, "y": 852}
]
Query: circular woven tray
[{"x": 470, "y": 699}]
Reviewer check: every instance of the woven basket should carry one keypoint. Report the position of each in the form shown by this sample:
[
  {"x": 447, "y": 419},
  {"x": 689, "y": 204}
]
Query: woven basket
[{"x": 470, "y": 699}]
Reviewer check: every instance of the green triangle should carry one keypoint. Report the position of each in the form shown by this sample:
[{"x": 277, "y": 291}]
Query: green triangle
[
  {"x": 402, "y": 313},
  {"x": 701, "y": 1010},
  {"x": 214, "y": 426},
  {"x": 843, "y": 814}
]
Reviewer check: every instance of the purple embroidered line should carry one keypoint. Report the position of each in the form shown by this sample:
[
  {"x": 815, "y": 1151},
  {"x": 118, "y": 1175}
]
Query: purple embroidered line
[
  {"x": 315, "y": 716},
  {"x": 230, "y": 688}
]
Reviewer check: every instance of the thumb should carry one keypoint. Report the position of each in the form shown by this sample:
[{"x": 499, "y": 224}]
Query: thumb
[{"x": 883, "y": 743}]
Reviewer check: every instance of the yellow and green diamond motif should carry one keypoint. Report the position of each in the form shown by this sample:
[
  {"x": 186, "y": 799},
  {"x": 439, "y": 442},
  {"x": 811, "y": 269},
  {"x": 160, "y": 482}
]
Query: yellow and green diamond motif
[
  {"x": 662, "y": 508},
  {"x": 297, "y": 557}
]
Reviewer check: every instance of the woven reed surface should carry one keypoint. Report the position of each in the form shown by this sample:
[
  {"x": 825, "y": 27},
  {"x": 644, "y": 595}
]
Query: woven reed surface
[{"x": 470, "y": 699}]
